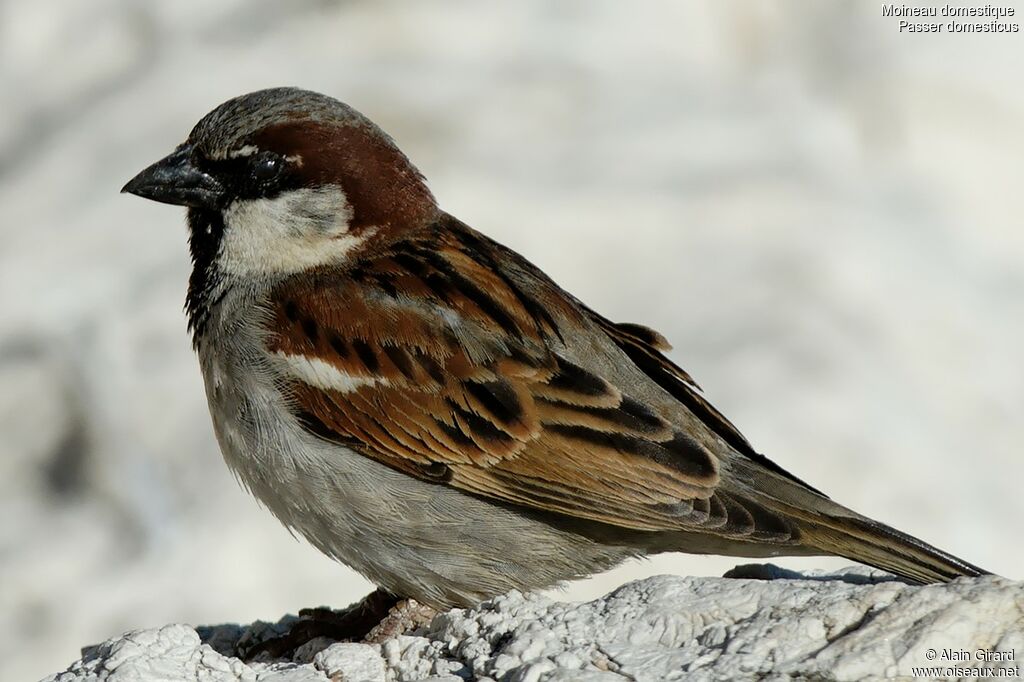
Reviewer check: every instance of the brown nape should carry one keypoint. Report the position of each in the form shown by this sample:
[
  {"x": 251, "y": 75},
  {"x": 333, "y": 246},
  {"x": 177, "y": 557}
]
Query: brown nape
[{"x": 383, "y": 188}]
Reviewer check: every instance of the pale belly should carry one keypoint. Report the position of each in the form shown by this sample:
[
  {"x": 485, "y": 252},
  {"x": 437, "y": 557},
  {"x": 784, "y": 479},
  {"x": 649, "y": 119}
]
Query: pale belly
[{"x": 413, "y": 538}]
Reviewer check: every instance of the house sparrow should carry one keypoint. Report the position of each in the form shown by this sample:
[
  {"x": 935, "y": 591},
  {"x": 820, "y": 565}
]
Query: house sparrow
[{"x": 427, "y": 406}]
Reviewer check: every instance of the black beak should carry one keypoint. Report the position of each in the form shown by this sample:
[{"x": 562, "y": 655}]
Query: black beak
[{"x": 174, "y": 179}]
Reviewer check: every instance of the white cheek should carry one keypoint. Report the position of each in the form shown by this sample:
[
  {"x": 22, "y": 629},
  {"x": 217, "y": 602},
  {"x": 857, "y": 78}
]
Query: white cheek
[{"x": 289, "y": 233}]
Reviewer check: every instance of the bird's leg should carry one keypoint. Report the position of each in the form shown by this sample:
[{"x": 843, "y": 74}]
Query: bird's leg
[
  {"x": 353, "y": 624},
  {"x": 405, "y": 616}
]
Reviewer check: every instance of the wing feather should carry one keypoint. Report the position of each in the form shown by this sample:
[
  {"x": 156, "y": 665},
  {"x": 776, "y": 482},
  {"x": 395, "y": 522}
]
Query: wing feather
[{"x": 434, "y": 361}]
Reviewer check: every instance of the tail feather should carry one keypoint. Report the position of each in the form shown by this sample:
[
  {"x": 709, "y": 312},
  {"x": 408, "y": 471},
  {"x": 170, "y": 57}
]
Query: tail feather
[
  {"x": 826, "y": 527},
  {"x": 869, "y": 542}
]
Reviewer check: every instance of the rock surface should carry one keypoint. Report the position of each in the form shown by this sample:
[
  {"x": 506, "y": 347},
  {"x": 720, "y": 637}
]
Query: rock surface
[{"x": 850, "y": 625}]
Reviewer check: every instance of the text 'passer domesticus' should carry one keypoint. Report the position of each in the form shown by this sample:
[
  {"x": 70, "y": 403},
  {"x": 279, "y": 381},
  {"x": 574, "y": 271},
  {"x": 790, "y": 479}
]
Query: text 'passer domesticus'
[{"x": 426, "y": 406}]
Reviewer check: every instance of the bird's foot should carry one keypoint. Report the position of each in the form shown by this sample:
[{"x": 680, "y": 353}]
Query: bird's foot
[
  {"x": 377, "y": 617},
  {"x": 405, "y": 616}
]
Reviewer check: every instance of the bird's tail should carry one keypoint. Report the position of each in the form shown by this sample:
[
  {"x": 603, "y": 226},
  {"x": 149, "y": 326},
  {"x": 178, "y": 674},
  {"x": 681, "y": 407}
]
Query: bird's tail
[
  {"x": 826, "y": 527},
  {"x": 870, "y": 542}
]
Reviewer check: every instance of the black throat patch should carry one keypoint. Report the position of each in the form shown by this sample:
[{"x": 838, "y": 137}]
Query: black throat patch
[{"x": 205, "y": 286}]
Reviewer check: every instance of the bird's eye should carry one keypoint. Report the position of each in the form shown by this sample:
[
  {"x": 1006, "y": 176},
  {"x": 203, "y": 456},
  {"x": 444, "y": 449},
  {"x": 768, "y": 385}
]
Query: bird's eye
[{"x": 266, "y": 167}]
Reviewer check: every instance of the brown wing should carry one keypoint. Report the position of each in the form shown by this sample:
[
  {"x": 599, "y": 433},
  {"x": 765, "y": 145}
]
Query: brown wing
[
  {"x": 433, "y": 360},
  {"x": 643, "y": 346}
]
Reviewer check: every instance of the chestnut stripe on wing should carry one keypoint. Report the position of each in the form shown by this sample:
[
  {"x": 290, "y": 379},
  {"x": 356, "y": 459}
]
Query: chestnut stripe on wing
[
  {"x": 471, "y": 291},
  {"x": 630, "y": 415},
  {"x": 477, "y": 249},
  {"x": 681, "y": 453},
  {"x": 660, "y": 369}
]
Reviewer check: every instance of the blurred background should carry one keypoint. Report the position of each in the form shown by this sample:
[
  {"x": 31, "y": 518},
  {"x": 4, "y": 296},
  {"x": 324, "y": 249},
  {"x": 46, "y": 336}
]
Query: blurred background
[{"x": 821, "y": 213}]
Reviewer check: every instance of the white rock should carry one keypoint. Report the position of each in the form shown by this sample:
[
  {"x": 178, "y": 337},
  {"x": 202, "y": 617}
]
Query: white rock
[
  {"x": 351, "y": 662},
  {"x": 844, "y": 626}
]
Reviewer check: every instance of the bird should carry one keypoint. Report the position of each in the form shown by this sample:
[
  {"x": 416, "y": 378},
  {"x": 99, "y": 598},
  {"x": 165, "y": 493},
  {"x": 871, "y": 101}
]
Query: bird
[{"x": 426, "y": 406}]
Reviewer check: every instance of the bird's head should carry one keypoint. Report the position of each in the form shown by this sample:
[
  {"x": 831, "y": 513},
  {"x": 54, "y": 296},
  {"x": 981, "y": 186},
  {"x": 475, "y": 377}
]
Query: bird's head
[{"x": 283, "y": 180}]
